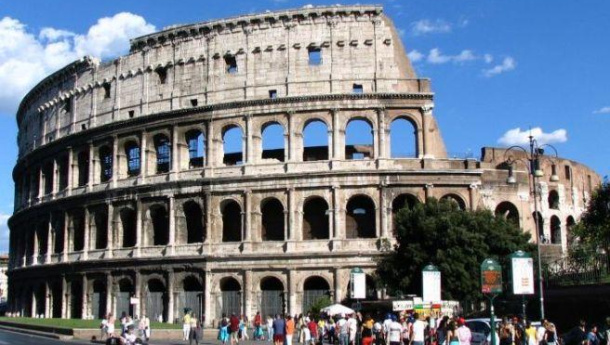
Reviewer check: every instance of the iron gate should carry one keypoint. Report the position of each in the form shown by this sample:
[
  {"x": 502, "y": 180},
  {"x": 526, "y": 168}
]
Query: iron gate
[
  {"x": 95, "y": 305},
  {"x": 189, "y": 299},
  {"x": 122, "y": 303},
  {"x": 272, "y": 302},
  {"x": 231, "y": 303},
  {"x": 310, "y": 297},
  {"x": 154, "y": 305}
]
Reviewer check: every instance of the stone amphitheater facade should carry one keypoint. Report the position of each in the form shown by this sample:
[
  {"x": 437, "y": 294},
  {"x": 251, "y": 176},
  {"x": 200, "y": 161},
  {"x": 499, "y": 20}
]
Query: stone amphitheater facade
[{"x": 124, "y": 191}]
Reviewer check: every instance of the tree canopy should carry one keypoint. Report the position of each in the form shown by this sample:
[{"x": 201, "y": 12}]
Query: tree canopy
[
  {"x": 454, "y": 240},
  {"x": 593, "y": 231}
]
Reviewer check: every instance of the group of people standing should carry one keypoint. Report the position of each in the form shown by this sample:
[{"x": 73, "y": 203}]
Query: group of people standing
[
  {"x": 191, "y": 328},
  {"x": 128, "y": 334}
]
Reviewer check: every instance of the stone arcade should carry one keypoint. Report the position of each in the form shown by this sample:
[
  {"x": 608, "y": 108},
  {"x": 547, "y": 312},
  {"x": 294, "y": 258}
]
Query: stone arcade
[{"x": 150, "y": 176}]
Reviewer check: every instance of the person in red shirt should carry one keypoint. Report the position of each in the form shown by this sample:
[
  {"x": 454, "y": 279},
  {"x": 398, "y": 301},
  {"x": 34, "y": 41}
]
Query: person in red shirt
[
  {"x": 234, "y": 328},
  {"x": 313, "y": 330},
  {"x": 258, "y": 331}
]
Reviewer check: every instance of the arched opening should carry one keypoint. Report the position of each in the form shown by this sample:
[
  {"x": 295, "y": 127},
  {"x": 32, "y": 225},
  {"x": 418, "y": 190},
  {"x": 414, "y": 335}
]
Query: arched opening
[
  {"x": 98, "y": 299},
  {"x": 101, "y": 229},
  {"x": 58, "y": 230},
  {"x": 508, "y": 211},
  {"x": 316, "y": 219},
  {"x": 83, "y": 168},
  {"x": 76, "y": 299},
  {"x": 273, "y": 141},
  {"x": 456, "y": 199},
  {"x": 315, "y": 141},
  {"x": 132, "y": 152},
  {"x": 56, "y": 299},
  {"x": 360, "y": 218},
  {"x": 191, "y": 296},
  {"x": 400, "y": 202},
  {"x": 272, "y": 227},
  {"x": 358, "y": 139},
  {"x": 403, "y": 139},
  {"x": 314, "y": 288},
  {"x": 105, "y": 156},
  {"x": 62, "y": 173},
  {"x": 78, "y": 230},
  {"x": 156, "y": 300},
  {"x": 163, "y": 150},
  {"x": 123, "y": 305},
  {"x": 42, "y": 236},
  {"x": 570, "y": 223},
  {"x": 553, "y": 200},
  {"x": 159, "y": 220},
  {"x": 195, "y": 231},
  {"x": 539, "y": 226},
  {"x": 47, "y": 178},
  {"x": 231, "y": 221},
  {"x": 230, "y": 297},
  {"x": 272, "y": 296},
  {"x": 232, "y": 138},
  {"x": 40, "y": 295},
  {"x": 555, "y": 230},
  {"x": 128, "y": 225},
  {"x": 196, "y": 147}
]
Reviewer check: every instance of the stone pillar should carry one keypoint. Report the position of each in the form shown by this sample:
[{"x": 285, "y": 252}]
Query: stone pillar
[
  {"x": 35, "y": 239},
  {"x": 65, "y": 311},
  {"x": 428, "y": 191},
  {"x": 291, "y": 293},
  {"x": 109, "y": 294},
  {"x": 40, "y": 184},
  {"x": 207, "y": 297},
  {"x": 115, "y": 158},
  {"x": 209, "y": 229},
  {"x": 472, "y": 189},
  {"x": 143, "y": 157},
  {"x": 86, "y": 229},
  {"x": 170, "y": 297},
  {"x": 250, "y": 159},
  {"x": 138, "y": 294},
  {"x": 48, "y": 311},
  {"x": 49, "y": 238},
  {"x": 338, "y": 232},
  {"x": 85, "y": 305},
  {"x": 291, "y": 230},
  {"x": 91, "y": 166},
  {"x": 209, "y": 146},
  {"x": 110, "y": 229},
  {"x": 175, "y": 156},
  {"x": 382, "y": 132},
  {"x": 66, "y": 234},
  {"x": 138, "y": 227},
  {"x": 55, "y": 186},
  {"x": 289, "y": 139},
  {"x": 336, "y": 148},
  {"x": 337, "y": 286},
  {"x": 34, "y": 311},
  {"x": 247, "y": 293},
  {"x": 70, "y": 171},
  {"x": 172, "y": 226},
  {"x": 383, "y": 214},
  {"x": 426, "y": 111},
  {"x": 247, "y": 234}
]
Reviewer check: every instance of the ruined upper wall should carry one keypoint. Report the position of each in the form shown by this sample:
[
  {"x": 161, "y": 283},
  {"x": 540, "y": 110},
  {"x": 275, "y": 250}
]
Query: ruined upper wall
[{"x": 189, "y": 66}]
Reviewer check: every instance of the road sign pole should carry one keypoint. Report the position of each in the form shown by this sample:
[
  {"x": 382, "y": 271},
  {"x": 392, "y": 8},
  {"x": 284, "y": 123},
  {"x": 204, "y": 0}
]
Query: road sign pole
[
  {"x": 492, "y": 319},
  {"x": 491, "y": 286}
]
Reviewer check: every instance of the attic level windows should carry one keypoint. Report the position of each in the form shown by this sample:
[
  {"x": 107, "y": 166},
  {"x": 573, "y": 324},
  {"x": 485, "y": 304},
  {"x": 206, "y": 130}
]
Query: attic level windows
[
  {"x": 106, "y": 87},
  {"x": 273, "y": 94},
  {"x": 231, "y": 64},
  {"x": 357, "y": 89},
  {"x": 315, "y": 56},
  {"x": 67, "y": 105},
  {"x": 194, "y": 102},
  {"x": 162, "y": 73}
]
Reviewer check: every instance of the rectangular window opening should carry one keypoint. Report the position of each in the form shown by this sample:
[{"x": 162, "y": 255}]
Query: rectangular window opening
[
  {"x": 194, "y": 102},
  {"x": 357, "y": 89},
  {"x": 568, "y": 173},
  {"x": 106, "y": 87},
  {"x": 68, "y": 105},
  {"x": 231, "y": 63},
  {"x": 273, "y": 94},
  {"x": 83, "y": 127},
  {"x": 131, "y": 114},
  {"x": 315, "y": 56}
]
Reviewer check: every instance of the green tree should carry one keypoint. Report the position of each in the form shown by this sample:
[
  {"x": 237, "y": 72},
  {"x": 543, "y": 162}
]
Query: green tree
[
  {"x": 593, "y": 231},
  {"x": 456, "y": 241}
]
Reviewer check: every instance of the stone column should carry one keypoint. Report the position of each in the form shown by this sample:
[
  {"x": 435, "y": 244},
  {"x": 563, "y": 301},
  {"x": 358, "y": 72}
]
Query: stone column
[
  {"x": 138, "y": 227},
  {"x": 291, "y": 293},
  {"x": 426, "y": 112},
  {"x": 40, "y": 184},
  {"x": 55, "y": 186},
  {"x": 428, "y": 191},
  {"x": 175, "y": 153},
  {"x": 143, "y": 157},
  {"x": 249, "y": 159},
  {"x": 70, "y": 171},
  {"x": 49, "y": 239},
  {"x": 337, "y": 285},
  {"x": 336, "y": 148},
  {"x": 115, "y": 158},
  {"x": 383, "y": 211},
  {"x": 472, "y": 189},
  {"x": 110, "y": 229},
  {"x": 65, "y": 311},
  {"x": 210, "y": 235},
  {"x": 48, "y": 311},
  {"x": 138, "y": 294},
  {"x": 291, "y": 231},
  {"x": 289, "y": 139},
  {"x": 109, "y": 293},
  {"x": 382, "y": 132},
  {"x": 170, "y": 297},
  {"x": 209, "y": 145},
  {"x": 66, "y": 234},
  {"x": 172, "y": 226},
  {"x": 207, "y": 297},
  {"x": 338, "y": 232},
  {"x": 86, "y": 229},
  {"x": 91, "y": 166},
  {"x": 247, "y": 224},
  {"x": 247, "y": 293},
  {"x": 85, "y": 305}
]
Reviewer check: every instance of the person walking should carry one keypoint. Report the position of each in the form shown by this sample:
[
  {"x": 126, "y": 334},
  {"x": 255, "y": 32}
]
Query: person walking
[
  {"x": 451, "y": 334},
  {"x": 367, "y": 330},
  {"x": 312, "y": 326},
  {"x": 289, "y": 330},
  {"x": 269, "y": 328},
  {"x": 463, "y": 332},
  {"x": 144, "y": 327},
  {"x": 195, "y": 330},
  {"x": 418, "y": 331},
  {"x": 395, "y": 331},
  {"x": 258, "y": 326},
  {"x": 530, "y": 334},
  {"x": 110, "y": 326},
  {"x": 234, "y": 329},
  {"x": 343, "y": 329},
  {"x": 223, "y": 332},
  {"x": 592, "y": 336},
  {"x": 279, "y": 329},
  {"x": 186, "y": 325}
]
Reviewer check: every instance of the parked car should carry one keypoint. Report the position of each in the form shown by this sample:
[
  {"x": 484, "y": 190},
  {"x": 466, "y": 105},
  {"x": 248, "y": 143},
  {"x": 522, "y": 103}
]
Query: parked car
[{"x": 481, "y": 330}]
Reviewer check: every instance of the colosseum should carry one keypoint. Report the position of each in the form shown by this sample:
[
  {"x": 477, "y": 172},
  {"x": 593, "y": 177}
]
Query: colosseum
[{"x": 218, "y": 166}]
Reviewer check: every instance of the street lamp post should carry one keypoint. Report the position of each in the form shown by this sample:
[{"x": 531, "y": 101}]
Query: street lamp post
[{"x": 533, "y": 157}]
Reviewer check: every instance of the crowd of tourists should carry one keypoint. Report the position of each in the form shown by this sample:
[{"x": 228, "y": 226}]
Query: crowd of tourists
[
  {"x": 398, "y": 329},
  {"x": 131, "y": 329}
]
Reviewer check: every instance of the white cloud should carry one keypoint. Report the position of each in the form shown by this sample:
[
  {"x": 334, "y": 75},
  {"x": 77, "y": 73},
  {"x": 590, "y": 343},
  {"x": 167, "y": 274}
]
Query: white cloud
[
  {"x": 488, "y": 58},
  {"x": 602, "y": 110},
  {"x": 415, "y": 56},
  {"x": 4, "y": 232},
  {"x": 26, "y": 58},
  {"x": 436, "y": 57},
  {"x": 516, "y": 136},
  {"x": 508, "y": 64},
  {"x": 425, "y": 26}
]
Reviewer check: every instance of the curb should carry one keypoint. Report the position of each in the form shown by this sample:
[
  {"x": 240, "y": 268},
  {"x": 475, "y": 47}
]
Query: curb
[{"x": 36, "y": 333}]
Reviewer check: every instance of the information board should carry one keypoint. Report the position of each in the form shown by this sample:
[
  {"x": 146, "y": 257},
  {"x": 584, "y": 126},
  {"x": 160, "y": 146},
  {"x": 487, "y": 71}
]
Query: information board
[
  {"x": 522, "y": 275},
  {"x": 491, "y": 277}
]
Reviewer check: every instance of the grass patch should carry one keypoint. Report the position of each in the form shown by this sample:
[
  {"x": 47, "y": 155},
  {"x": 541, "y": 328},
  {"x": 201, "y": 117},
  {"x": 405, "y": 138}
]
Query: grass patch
[{"x": 77, "y": 323}]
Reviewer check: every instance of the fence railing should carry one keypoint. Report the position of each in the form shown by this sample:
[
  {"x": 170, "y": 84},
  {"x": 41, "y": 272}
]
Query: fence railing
[{"x": 569, "y": 271}]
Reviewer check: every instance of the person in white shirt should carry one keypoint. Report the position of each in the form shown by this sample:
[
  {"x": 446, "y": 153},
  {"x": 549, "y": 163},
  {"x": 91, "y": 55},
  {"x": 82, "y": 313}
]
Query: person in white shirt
[
  {"x": 352, "y": 328},
  {"x": 418, "y": 331},
  {"x": 395, "y": 332},
  {"x": 463, "y": 332},
  {"x": 386, "y": 326},
  {"x": 343, "y": 329}
]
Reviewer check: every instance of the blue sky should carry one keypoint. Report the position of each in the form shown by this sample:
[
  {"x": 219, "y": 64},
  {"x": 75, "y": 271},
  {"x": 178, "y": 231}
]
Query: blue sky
[{"x": 496, "y": 66}]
